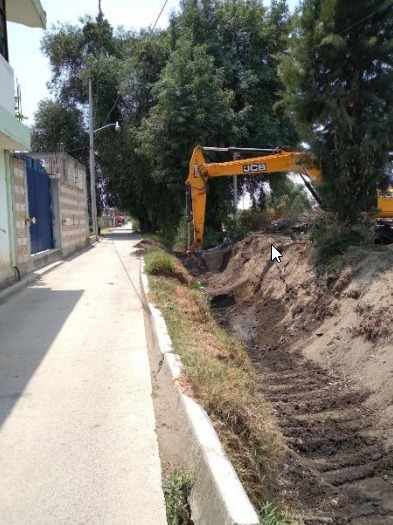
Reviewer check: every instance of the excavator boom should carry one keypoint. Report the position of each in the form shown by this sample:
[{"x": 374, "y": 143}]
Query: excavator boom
[
  {"x": 200, "y": 171},
  {"x": 273, "y": 161}
]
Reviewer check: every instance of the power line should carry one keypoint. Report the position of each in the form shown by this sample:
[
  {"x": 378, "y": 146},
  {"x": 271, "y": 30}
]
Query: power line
[
  {"x": 159, "y": 15},
  {"x": 153, "y": 28},
  {"x": 363, "y": 19}
]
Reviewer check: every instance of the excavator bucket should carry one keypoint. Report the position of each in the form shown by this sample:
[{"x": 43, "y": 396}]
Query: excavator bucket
[{"x": 215, "y": 260}]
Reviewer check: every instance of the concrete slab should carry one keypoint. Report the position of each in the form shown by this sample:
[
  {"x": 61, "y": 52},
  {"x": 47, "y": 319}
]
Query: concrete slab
[{"x": 77, "y": 436}]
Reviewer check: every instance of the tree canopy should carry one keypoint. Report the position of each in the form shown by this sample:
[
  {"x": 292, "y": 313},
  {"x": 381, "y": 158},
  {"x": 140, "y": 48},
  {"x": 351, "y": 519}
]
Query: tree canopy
[
  {"x": 59, "y": 127},
  {"x": 210, "y": 78},
  {"x": 338, "y": 76}
]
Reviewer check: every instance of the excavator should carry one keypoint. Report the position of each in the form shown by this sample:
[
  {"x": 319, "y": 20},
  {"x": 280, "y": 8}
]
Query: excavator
[{"x": 268, "y": 161}]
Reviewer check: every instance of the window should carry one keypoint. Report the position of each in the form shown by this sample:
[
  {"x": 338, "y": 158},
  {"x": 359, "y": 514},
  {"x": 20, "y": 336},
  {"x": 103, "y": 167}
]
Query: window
[{"x": 3, "y": 31}]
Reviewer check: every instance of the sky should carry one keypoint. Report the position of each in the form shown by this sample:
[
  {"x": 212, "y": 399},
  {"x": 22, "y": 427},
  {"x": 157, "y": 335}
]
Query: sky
[{"x": 31, "y": 67}]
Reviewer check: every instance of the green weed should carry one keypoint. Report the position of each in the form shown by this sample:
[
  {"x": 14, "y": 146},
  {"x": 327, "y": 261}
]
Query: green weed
[
  {"x": 332, "y": 239},
  {"x": 270, "y": 515},
  {"x": 177, "y": 488}
]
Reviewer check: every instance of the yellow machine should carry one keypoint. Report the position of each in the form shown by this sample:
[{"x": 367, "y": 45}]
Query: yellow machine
[
  {"x": 385, "y": 204},
  {"x": 272, "y": 161}
]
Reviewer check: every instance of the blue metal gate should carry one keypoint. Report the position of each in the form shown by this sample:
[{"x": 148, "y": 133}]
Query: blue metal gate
[{"x": 38, "y": 184}]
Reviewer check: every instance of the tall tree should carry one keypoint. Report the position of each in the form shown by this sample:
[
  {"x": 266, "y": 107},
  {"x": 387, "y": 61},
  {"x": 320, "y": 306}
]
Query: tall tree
[
  {"x": 210, "y": 78},
  {"x": 59, "y": 127},
  {"x": 77, "y": 53},
  {"x": 192, "y": 107},
  {"x": 244, "y": 38},
  {"x": 338, "y": 77},
  {"x": 130, "y": 175}
]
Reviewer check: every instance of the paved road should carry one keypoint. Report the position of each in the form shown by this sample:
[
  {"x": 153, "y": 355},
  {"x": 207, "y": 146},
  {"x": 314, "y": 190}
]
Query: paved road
[{"x": 77, "y": 438}]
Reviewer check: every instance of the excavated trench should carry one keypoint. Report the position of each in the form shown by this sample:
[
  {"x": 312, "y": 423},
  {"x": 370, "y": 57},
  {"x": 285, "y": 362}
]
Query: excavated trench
[{"x": 336, "y": 467}]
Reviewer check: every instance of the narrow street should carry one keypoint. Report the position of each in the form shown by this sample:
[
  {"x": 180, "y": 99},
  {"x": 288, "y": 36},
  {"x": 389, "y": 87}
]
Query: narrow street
[{"x": 77, "y": 428}]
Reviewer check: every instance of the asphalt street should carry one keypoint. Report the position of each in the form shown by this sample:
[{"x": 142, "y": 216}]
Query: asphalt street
[{"x": 77, "y": 428}]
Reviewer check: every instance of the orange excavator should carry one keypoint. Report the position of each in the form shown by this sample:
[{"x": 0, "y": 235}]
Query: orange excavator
[{"x": 267, "y": 162}]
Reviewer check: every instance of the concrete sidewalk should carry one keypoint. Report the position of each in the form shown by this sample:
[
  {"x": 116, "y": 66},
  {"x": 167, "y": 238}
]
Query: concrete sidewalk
[{"x": 77, "y": 435}]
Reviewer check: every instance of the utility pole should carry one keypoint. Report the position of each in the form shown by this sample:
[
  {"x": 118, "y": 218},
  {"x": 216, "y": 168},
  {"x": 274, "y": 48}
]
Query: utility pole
[{"x": 92, "y": 162}]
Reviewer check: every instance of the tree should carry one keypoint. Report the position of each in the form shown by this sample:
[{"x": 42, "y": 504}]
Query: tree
[
  {"x": 211, "y": 78},
  {"x": 77, "y": 53},
  {"x": 244, "y": 38},
  {"x": 192, "y": 108},
  {"x": 287, "y": 195},
  {"x": 338, "y": 77},
  {"x": 130, "y": 176},
  {"x": 59, "y": 127}
]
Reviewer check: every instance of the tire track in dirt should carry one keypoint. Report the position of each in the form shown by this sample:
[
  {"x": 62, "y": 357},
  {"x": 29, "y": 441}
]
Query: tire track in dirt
[{"x": 336, "y": 468}]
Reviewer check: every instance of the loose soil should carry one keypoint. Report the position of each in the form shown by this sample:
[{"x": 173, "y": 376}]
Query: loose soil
[{"x": 322, "y": 347}]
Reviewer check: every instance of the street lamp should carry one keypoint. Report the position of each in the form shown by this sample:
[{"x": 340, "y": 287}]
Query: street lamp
[{"x": 92, "y": 132}]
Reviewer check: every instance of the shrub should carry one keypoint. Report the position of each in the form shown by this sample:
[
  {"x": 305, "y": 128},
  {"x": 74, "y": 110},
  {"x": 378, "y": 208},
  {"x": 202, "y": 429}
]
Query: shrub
[
  {"x": 181, "y": 236},
  {"x": 332, "y": 238},
  {"x": 158, "y": 262},
  {"x": 253, "y": 220}
]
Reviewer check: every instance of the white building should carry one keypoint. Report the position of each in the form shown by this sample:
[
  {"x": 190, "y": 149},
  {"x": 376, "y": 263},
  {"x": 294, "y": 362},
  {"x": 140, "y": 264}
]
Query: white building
[{"x": 13, "y": 134}]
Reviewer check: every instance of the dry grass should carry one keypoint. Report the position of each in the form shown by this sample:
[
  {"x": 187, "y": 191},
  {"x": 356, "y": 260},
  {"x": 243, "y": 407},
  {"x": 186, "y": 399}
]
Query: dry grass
[{"x": 220, "y": 376}]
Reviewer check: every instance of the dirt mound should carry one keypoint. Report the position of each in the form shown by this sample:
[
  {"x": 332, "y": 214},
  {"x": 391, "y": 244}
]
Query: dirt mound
[
  {"x": 147, "y": 245},
  {"x": 323, "y": 350}
]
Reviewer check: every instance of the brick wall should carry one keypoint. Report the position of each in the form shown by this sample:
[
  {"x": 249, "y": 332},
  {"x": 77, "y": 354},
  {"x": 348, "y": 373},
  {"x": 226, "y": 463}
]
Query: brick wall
[
  {"x": 20, "y": 200},
  {"x": 74, "y": 226},
  {"x": 63, "y": 167}
]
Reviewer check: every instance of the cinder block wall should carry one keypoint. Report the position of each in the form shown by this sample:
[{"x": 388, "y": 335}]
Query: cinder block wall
[
  {"x": 20, "y": 207},
  {"x": 74, "y": 227}
]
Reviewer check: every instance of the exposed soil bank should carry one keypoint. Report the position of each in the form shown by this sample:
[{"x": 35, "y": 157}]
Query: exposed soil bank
[{"x": 323, "y": 350}]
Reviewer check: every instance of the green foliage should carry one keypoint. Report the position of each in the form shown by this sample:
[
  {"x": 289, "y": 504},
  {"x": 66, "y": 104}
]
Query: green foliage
[
  {"x": 59, "y": 127},
  {"x": 332, "y": 238},
  {"x": 253, "y": 219},
  {"x": 76, "y": 53},
  {"x": 159, "y": 262},
  {"x": 192, "y": 107},
  {"x": 181, "y": 237},
  {"x": 338, "y": 75},
  {"x": 177, "y": 489},
  {"x": 286, "y": 199},
  {"x": 243, "y": 39},
  {"x": 286, "y": 196},
  {"x": 130, "y": 174},
  {"x": 210, "y": 78},
  {"x": 213, "y": 237},
  {"x": 270, "y": 515}
]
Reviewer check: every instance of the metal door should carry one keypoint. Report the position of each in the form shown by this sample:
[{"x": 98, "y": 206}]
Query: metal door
[{"x": 40, "y": 211}]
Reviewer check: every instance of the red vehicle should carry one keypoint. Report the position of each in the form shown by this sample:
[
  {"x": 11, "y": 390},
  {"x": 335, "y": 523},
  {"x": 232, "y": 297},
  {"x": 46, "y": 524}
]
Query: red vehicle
[{"x": 120, "y": 220}]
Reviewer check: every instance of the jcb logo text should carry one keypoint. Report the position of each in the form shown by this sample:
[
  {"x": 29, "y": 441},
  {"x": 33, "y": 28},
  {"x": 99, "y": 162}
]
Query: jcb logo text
[{"x": 254, "y": 168}]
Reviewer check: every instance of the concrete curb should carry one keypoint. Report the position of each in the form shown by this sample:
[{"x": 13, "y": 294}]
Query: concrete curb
[{"x": 217, "y": 496}]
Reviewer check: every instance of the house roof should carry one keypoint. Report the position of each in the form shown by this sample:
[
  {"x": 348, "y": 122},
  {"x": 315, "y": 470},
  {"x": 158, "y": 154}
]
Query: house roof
[{"x": 27, "y": 12}]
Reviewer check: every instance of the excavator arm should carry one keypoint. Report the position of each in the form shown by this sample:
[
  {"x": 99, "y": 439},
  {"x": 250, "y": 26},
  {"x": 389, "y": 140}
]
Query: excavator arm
[{"x": 200, "y": 172}]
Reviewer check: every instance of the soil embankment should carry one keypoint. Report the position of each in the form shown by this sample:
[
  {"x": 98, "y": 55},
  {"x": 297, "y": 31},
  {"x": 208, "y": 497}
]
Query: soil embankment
[{"x": 323, "y": 351}]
